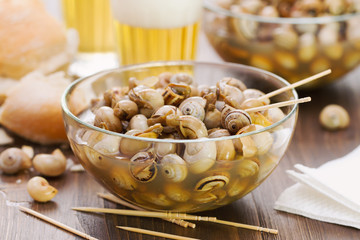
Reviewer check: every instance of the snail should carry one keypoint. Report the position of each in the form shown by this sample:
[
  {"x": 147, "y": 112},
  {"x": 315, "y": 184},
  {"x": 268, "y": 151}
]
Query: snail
[
  {"x": 113, "y": 95},
  {"x": 231, "y": 95},
  {"x": 200, "y": 156},
  {"x": 12, "y": 160},
  {"x": 176, "y": 193},
  {"x": 122, "y": 179},
  {"x": 194, "y": 106},
  {"x": 51, "y": 165},
  {"x": 181, "y": 78},
  {"x": 212, "y": 182},
  {"x": 225, "y": 149},
  {"x": 125, "y": 109},
  {"x": 105, "y": 118},
  {"x": 143, "y": 166},
  {"x": 173, "y": 167},
  {"x": 234, "y": 119},
  {"x": 192, "y": 127},
  {"x": 248, "y": 167},
  {"x": 138, "y": 122},
  {"x": 163, "y": 148},
  {"x": 212, "y": 117},
  {"x": 174, "y": 94},
  {"x": 40, "y": 190},
  {"x": 148, "y": 100},
  {"x": 162, "y": 113},
  {"x": 130, "y": 146}
]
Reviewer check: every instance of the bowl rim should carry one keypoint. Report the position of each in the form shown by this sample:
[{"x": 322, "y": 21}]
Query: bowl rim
[
  {"x": 209, "y": 5},
  {"x": 68, "y": 90}
]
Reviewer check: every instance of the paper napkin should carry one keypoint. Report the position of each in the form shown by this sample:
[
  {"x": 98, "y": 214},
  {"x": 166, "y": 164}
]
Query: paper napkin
[{"x": 330, "y": 193}]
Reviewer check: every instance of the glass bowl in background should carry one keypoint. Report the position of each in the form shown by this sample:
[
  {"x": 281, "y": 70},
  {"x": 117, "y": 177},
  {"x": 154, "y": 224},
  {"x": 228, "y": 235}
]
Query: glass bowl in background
[
  {"x": 291, "y": 47},
  {"x": 207, "y": 179}
]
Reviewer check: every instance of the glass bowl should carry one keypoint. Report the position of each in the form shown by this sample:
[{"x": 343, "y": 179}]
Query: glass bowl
[
  {"x": 291, "y": 47},
  {"x": 208, "y": 178}
]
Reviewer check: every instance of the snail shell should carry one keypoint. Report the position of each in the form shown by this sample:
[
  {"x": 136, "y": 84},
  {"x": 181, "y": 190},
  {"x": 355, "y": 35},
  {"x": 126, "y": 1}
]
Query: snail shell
[
  {"x": 138, "y": 122},
  {"x": 125, "y": 109},
  {"x": 192, "y": 127},
  {"x": 122, "y": 179},
  {"x": 225, "y": 149},
  {"x": 174, "y": 94},
  {"x": 234, "y": 82},
  {"x": 176, "y": 193},
  {"x": 200, "y": 156},
  {"x": 212, "y": 118},
  {"x": 205, "y": 198},
  {"x": 211, "y": 183},
  {"x": 275, "y": 114},
  {"x": 254, "y": 93},
  {"x": 173, "y": 167},
  {"x": 148, "y": 100},
  {"x": 181, "y": 78},
  {"x": 259, "y": 119},
  {"x": 248, "y": 168},
  {"x": 130, "y": 147},
  {"x": 164, "y": 148},
  {"x": 113, "y": 95},
  {"x": 231, "y": 95},
  {"x": 194, "y": 106},
  {"x": 105, "y": 118},
  {"x": 108, "y": 144},
  {"x": 263, "y": 140},
  {"x": 234, "y": 119},
  {"x": 162, "y": 113},
  {"x": 237, "y": 187},
  {"x": 143, "y": 166}
]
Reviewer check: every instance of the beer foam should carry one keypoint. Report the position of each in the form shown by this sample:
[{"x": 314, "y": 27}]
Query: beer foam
[{"x": 157, "y": 13}]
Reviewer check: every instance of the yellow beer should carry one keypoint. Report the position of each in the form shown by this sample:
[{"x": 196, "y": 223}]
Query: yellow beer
[
  {"x": 93, "y": 21},
  {"x": 156, "y": 30}
]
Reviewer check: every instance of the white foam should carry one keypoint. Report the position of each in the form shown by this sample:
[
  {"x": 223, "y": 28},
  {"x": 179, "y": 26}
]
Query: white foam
[{"x": 157, "y": 13}]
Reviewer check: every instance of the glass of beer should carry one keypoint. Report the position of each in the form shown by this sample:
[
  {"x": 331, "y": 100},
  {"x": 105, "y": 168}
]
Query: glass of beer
[
  {"x": 93, "y": 21},
  {"x": 156, "y": 30}
]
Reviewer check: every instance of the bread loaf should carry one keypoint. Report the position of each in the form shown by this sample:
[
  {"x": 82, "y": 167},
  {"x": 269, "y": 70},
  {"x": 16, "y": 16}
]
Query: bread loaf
[
  {"x": 32, "y": 108},
  {"x": 30, "y": 39}
]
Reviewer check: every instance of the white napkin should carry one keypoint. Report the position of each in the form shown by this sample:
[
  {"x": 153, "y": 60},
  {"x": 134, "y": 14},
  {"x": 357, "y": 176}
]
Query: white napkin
[{"x": 330, "y": 193}]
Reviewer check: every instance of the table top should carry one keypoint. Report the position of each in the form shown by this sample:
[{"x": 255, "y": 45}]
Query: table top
[{"x": 311, "y": 146}]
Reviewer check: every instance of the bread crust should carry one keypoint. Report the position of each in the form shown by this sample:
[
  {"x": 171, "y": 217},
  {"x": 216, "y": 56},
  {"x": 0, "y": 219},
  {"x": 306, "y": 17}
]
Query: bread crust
[
  {"x": 32, "y": 109},
  {"x": 29, "y": 37}
]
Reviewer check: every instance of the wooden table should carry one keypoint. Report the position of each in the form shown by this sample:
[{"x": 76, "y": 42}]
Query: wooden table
[{"x": 311, "y": 146}]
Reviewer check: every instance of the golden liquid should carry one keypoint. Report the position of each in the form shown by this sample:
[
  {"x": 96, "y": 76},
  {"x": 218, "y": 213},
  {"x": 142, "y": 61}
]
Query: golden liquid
[
  {"x": 137, "y": 45},
  {"x": 93, "y": 21}
]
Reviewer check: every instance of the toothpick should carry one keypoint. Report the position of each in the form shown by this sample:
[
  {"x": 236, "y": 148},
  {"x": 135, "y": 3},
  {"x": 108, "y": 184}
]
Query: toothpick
[
  {"x": 279, "y": 104},
  {"x": 246, "y": 226},
  {"x": 56, "y": 223},
  {"x": 114, "y": 199},
  {"x": 153, "y": 233},
  {"x": 294, "y": 85},
  {"x": 145, "y": 213}
]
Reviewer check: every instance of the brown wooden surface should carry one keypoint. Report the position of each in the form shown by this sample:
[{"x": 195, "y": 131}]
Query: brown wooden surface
[{"x": 311, "y": 146}]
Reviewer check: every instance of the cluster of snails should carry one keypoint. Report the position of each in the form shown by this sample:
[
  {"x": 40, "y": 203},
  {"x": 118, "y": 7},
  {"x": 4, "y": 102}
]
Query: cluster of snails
[
  {"x": 164, "y": 173},
  {"x": 14, "y": 160},
  {"x": 290, "y": 50},
  {"x": 172, "y": 105}
]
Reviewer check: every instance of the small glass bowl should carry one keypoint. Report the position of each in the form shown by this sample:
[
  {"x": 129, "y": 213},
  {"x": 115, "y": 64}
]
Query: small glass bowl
[
  {"x": 207, "y": 181},
  {"x": 292, "y": 48}
]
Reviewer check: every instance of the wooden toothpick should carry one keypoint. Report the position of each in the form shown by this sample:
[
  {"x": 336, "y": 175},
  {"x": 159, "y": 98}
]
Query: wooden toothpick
[
  {"x": 246, "y": 226},
  {"x": 56, "y": 223},
  {"x": 154, "y": 233},
  {"x": 114, "y": 199},
  {"x": 145, "y": 213},
  {"x": 294, "y": 85},
  {"x": 279, "y": 104}
]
